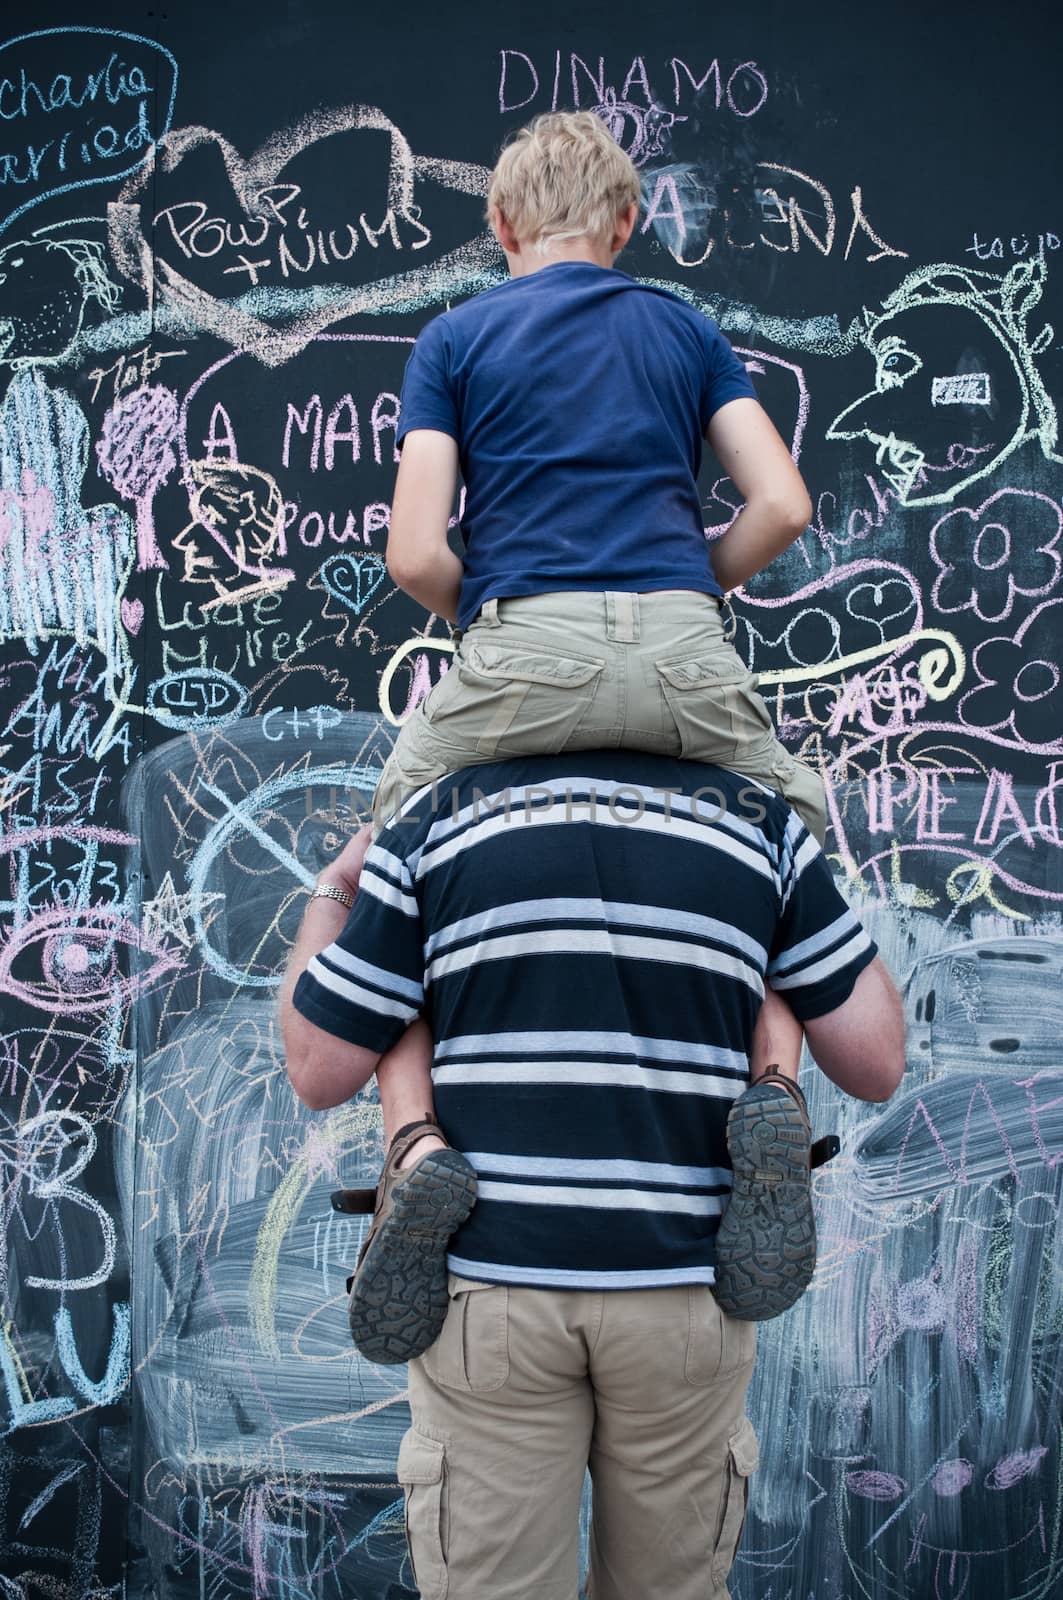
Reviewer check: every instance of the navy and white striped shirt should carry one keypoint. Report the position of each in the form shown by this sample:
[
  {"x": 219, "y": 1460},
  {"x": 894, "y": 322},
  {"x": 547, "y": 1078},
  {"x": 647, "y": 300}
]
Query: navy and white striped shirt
[{"x": 588, "y": 937}]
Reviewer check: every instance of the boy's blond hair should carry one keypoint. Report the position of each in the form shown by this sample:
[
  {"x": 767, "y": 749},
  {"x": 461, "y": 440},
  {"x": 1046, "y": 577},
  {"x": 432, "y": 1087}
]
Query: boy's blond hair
[{"x": 562, "y": 177}]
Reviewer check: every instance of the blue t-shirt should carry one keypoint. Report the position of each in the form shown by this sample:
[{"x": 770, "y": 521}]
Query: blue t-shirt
[{"x": 579, "y": 399}]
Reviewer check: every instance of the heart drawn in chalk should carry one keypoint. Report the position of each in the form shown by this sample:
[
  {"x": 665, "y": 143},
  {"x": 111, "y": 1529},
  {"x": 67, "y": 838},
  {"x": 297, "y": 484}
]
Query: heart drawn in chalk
[
  {"x": 132, "y": 615},
  {"x": 353, "y": 580},
  {"x": 889, "y": 600},
  {"x": 135, "y": 250}
]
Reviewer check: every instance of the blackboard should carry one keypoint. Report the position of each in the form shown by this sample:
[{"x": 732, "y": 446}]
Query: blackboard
[{"x": 220, "y": 230}]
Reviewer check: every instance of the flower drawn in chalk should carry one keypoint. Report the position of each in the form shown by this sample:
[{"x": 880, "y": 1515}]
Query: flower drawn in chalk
[
  {"x": 1020, "y": 688},
  {"x": 988, "y": 555}
]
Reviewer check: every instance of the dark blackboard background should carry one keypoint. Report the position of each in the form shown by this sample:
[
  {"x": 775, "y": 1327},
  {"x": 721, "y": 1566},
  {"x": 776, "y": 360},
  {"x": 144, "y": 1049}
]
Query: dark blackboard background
[{"x": 174, "y": 1485}]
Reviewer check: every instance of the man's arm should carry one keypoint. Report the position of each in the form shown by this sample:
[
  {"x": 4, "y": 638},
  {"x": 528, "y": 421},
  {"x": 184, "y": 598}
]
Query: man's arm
[
  {"x": 323, "y": 1070},
  {"x": 777, "y": 508},
  {"x": 419, "y": 558},
  {"x": 860, "y": 1044}
]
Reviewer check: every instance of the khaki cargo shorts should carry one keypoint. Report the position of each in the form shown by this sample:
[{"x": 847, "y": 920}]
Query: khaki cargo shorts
[
  {"x": 525, "y": 1390},
  {"x": 548, "y": 673}
]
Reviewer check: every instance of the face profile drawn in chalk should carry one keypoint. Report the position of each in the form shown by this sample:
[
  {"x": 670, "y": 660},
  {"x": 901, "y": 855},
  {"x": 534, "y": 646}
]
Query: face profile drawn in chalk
[
  {"x": 136, "y": 456},
  {"x": 238, "y": 511},
  {"x": 937, "y": 423},
  {"x": 46, "y": 286}
]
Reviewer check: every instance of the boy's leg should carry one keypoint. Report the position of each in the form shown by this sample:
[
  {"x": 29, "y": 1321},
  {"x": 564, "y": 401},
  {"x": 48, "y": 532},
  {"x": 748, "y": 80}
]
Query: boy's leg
[
  {"x": 399, "y": 1289},
  {"x": 404, "y": 1082},
  {"x": 777, "y": 1040}
]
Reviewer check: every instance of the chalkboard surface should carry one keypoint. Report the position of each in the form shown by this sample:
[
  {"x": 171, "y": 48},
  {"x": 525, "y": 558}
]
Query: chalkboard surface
[{"x": 221, "y": 228}]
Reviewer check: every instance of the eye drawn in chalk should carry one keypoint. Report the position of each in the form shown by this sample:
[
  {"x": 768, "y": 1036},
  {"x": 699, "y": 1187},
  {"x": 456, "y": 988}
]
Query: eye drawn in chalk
[
  {"x": 237, "y": 513},
  {"x": 47, "y": 284},
  {"x": 77, "y": 968},
  {"x": 956, "y": 387}
]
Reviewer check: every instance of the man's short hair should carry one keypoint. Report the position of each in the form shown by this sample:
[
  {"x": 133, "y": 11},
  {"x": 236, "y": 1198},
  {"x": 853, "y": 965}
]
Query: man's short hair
[{"x": 561, "y": 177}]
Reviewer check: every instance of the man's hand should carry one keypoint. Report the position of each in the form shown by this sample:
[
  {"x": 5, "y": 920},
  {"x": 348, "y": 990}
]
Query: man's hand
[
  {"x": 346, "y": 870},
  {"x": 323, "y": 1070}
]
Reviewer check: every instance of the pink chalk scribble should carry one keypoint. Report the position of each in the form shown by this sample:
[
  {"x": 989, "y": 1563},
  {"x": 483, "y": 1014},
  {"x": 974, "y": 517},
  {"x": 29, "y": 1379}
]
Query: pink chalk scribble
[
  {"x": 987, "y": 555},
  {"x": 952, "y": 1477},
  {"x": 1019, "y": 1464},
  {"x": 36, "y": 502},
  {"x": 78, "y": 970},
  {"x": 875, "y": 1485},
  {"x": 136, "y": 456},
  {"x": 1020, "y": 688}
]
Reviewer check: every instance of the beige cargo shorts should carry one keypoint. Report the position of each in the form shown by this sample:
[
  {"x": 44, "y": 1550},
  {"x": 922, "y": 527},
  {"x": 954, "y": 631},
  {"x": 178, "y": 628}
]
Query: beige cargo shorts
[
  {"x": 524, "y": 1390},
  {"x": 547, "y": 673}
]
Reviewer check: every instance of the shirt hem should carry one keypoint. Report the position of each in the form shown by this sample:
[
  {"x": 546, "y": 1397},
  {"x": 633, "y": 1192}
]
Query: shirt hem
[
  {"x": 578, "y": 1278},
  {"x": 515, "y": 589}
]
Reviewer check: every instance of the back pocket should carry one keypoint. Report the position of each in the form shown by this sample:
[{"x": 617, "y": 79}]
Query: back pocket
[
  {"x": 516, "y": 699},
  {"x": 715, "y": 705}
]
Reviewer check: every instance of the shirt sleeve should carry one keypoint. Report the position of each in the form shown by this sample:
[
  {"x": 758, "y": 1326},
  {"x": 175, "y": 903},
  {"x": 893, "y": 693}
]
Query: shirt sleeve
[
  {"x": 820, "y": 948},
  {"x": 725, "y": 376},
  {"x": 427, "y": 399},
  {"x": 368, "y": 986}
]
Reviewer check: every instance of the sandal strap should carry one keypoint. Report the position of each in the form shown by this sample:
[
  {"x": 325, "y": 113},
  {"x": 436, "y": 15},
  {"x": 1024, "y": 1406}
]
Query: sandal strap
[
  {"x": 781, "y": 1081},
  {"x": 427, "y": 1124},
  {"x": 363, "y": 1202}
]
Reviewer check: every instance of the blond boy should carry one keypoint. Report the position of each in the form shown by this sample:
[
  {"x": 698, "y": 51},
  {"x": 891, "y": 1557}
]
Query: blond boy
[{"x": 574, "y": 401}]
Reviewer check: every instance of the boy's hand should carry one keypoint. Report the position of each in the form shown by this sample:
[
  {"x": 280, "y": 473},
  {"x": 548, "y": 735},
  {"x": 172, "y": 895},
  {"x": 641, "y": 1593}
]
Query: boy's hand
[{"x": 346, "y": 870}]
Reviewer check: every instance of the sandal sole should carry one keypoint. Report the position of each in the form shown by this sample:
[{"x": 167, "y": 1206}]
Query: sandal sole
[
  {"x": 399, "y": 1297},
  {"x": 766, "y": 1243}
]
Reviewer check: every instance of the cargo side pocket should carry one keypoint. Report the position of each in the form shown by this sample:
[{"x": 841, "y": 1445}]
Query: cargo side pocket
[
  {"x": 422, "y": 1473},
  {"x": 743, "y": 1457}
]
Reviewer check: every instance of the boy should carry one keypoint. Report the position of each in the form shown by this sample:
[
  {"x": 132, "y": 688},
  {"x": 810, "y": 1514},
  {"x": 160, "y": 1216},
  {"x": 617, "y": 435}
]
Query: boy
[{"x": 575, "y": 401}]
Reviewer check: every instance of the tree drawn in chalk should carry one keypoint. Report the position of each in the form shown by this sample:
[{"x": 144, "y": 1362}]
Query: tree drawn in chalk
[{"x": 136, "y": 457}]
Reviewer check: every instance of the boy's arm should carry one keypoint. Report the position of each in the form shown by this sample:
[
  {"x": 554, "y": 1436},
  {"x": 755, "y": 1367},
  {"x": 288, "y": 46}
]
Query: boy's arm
[
  {"x": 777, "y": 509},
  {"x": 419, "y": 558}
]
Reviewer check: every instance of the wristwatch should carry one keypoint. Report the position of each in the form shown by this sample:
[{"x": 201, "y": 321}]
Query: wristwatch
[{"x": 328, "y": 891}]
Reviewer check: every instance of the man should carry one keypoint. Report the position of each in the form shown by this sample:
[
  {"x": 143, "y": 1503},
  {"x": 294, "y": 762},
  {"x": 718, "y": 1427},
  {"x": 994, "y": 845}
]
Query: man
[{"x": 587, "y": 937}]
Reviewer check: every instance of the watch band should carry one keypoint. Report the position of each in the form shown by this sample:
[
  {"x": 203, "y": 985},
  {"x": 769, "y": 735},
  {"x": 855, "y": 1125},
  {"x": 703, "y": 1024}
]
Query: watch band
[{"x": 328, "y": 891}]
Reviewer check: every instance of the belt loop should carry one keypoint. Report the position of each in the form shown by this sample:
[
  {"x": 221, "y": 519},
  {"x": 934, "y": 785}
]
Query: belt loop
[
  {"x": 622, "y": 616},
  {"x": 730, "y": 621},
  {"x": 489, "y": 613}
]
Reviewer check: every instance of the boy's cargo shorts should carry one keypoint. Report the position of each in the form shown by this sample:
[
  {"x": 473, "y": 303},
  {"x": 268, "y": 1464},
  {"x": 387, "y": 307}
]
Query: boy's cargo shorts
[{"x": 547, "y": 673}]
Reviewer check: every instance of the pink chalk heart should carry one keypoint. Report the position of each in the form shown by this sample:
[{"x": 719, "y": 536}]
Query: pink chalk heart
[{"x": 132, "y": 615}]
